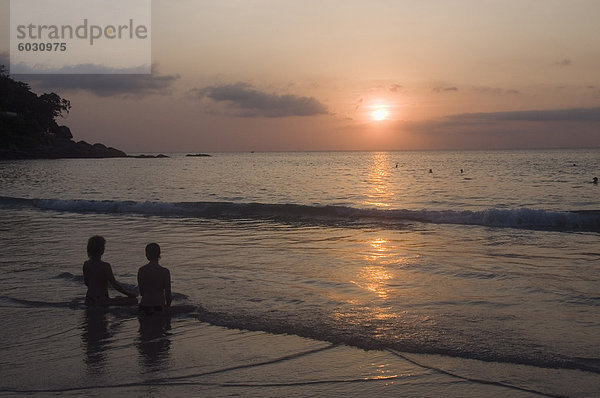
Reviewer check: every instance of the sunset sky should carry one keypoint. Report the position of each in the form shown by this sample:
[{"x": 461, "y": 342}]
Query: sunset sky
[{"x": 348, "y": 75}]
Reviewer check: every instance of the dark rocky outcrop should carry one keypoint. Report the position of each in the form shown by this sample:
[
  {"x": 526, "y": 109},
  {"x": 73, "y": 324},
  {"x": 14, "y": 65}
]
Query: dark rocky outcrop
[
  {"x": 63, "y": 149},
  {"x": 198, "y": 155},
  {"x": 159, "y": 156},
  {"x": 28, "y": 128}
]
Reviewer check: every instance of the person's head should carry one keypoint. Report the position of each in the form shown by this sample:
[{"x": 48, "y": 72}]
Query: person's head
[
  {"x": 152, "y": 251},
  {"x": 95, "y": 247}
]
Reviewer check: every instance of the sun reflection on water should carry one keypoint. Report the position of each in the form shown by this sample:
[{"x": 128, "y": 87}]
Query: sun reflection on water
[
  {"x": 379, "y": 193},
  {"x": 374, "y": 276},
  {"x": 377, "y": 310}
]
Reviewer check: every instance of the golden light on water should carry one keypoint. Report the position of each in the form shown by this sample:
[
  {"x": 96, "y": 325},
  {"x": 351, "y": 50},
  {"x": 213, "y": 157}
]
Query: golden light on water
[
  {"x": 374, "y": 277},
  {"x": 379, "y": 244},
  {"x": 379, "y": 193},
  {"x": 380, "y": 251},
  {"x": 382, "y": 279}
]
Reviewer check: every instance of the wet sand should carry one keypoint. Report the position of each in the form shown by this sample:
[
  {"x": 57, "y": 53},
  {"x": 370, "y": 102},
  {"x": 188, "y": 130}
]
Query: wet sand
[{"x": 75, "y": 352}]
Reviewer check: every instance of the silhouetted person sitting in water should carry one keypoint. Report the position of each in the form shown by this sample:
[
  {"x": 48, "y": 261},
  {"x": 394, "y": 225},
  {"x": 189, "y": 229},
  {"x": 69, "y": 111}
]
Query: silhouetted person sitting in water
[
  {"x": 154, "y": 282},
  {"x": 595, "y": 180},
  {"x": 97, "y": 274}
]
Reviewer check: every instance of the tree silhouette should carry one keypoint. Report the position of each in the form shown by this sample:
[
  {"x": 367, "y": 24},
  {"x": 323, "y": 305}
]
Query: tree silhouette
[{"x": 26, "y": 119}]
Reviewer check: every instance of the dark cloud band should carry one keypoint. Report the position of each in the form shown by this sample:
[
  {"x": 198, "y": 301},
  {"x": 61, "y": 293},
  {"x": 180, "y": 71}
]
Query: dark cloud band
[
  {"x": 557, "y": 115},
  {"x": 105, "y": 85},
  {"x": 102, "y": 84},
  {"x": 247, "y": 101}
]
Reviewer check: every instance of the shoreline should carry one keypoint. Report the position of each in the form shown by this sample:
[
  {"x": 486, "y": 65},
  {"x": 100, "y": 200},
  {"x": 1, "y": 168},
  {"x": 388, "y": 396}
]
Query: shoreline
[
  {"x": 184, "y": 356},
  {"x": 7, "y": 154}
]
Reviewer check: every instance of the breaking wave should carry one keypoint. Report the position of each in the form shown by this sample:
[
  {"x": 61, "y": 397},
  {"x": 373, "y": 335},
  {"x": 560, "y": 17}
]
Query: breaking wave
[{"x": 522, "y": 218}]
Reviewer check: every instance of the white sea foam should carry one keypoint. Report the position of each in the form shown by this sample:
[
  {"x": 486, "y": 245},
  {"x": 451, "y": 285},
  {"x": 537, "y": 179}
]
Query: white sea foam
[{"x": 522, "y": 218}]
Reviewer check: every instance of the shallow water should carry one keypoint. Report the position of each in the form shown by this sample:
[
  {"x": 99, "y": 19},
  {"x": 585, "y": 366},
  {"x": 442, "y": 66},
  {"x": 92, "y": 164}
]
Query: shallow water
[
  {"x": 546, "y": 180},
  {"x": 397, "y": 264}
]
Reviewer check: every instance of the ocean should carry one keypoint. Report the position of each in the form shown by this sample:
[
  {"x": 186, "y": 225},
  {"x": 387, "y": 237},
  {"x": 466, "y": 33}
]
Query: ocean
[{"x": 441, "y": 273}]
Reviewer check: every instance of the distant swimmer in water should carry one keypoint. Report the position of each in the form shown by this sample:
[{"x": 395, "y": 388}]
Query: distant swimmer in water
[
  {"x": 97, "y": 274},
  {"x": 461, "y": 171},
  {"x": 431, "y": 170},
  {"x": 595, "y": 180},
  {"x": 154, "y": 282}
]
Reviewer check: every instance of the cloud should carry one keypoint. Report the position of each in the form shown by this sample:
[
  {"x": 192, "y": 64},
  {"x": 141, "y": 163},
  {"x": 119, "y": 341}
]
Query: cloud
[
  {"x": 441, "y": 89},
  {"x": 557, "y": 115},
  {"x": 506, "y": 120},
  {"x": 358, "y": 104},
  {"x": 26, "y": 69},
  {"x": 395, "y": 88},
  {"x": 103, "y": 85},
  {"x": 246, "y": 101},
  {"x": 577, "y": 127},
  {"x": 494, "y": 90},
  {"x": 564, "y": 62}
]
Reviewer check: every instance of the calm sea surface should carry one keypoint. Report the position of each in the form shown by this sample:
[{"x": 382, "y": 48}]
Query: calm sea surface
[{"x": 491, "y": 256}]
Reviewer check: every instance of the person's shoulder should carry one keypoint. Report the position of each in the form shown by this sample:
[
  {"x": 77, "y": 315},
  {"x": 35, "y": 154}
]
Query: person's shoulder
[
  {"x": 96, "y": 263},
  {"x": 103, "y": 266}
]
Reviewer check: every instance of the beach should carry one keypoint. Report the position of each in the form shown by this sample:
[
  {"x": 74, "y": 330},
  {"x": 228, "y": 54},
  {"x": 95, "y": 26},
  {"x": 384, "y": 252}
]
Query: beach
[
  {"x": 310, "y": 274},
  {"x": 115, "y": 354}
]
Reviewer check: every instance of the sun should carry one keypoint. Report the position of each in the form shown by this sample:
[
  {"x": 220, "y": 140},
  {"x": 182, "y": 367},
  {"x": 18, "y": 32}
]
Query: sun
[{"x": 380, "y": 113}]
